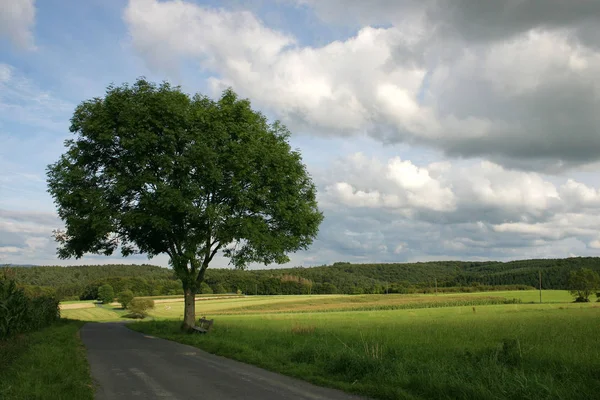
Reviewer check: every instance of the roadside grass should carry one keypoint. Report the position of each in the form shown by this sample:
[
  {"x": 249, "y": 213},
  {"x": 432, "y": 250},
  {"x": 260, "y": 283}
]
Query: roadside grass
[
  {"x": 47, "y": 364},
  {"x": 520, "y": 351}
]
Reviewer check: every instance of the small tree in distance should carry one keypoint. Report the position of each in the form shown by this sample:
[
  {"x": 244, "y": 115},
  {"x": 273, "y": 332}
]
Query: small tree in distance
[
  {"x": 152, "y": 170},
  {"x": 138, "y": 308},
  {"x": 582, "y": 283},
  {"x": 125, "y": 298},
  {"x": 106, "y": 294}
]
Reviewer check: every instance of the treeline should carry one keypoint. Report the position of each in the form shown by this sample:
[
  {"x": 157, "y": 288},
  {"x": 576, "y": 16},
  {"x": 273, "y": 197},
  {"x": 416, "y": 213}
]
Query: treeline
[
  {"x": 20, "y": 312},
  {"x": 82, "y": 282}
]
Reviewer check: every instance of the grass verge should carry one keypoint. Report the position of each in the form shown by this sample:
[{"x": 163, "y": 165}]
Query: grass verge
[
  {"x": 491, "y": 352},
  {"x": 48, "y": 364}
]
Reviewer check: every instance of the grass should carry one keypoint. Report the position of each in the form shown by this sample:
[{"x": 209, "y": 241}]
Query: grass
[
  {"x": 96, "y": 314},
  {"x": 533, "y": 296},
  {"x": 48, "y": 364},
  {"x": 518, "y": 351}
]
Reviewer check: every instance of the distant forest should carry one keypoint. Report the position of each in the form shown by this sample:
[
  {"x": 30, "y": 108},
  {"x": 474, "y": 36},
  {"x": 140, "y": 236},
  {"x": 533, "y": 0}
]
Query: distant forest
[{"x": 82, "y": 282}]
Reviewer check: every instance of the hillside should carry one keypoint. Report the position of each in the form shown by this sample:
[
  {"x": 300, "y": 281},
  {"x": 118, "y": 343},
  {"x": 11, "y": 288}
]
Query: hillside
[{"x": 83, "y": 281}]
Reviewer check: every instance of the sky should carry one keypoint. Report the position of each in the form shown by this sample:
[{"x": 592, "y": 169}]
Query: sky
[{"x": 433, "y": 129}]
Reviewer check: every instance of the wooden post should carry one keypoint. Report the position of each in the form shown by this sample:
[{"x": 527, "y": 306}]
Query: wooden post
[
  {"x": 540, "y": 274},
  {"x": 435, "y": 279}
]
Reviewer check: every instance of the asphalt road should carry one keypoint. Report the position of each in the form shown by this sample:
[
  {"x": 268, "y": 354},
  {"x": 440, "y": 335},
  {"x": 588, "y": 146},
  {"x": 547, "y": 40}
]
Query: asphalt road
[{"x": 130, "y": 365}]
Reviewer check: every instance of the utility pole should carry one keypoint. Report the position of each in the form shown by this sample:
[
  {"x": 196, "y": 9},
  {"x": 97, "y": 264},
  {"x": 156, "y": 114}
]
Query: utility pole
[{"x": 540, "y": 274}]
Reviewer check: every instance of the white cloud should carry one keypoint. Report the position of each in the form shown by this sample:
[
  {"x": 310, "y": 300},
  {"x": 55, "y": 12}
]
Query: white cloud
[
  {"x": 16, "y": 22},
  {"x": 512, "y": 100}
]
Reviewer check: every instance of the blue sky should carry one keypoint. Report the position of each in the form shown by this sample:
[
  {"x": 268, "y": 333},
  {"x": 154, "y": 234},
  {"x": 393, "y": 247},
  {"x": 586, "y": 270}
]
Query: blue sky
[{"x": 433, "y": 129}]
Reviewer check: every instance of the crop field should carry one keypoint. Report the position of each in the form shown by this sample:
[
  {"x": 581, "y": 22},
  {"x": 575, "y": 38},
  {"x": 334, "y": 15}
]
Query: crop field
[
  {"x": 533, "y": 296},
  {"x": 172, "y": 307}
]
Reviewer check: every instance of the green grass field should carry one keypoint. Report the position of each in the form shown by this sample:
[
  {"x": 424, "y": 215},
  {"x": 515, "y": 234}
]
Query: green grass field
[
  {"x": 533, "y": 296},
  {"x": 97, "y": 314},
  {"x": 48, "y": 364},
  {"x": 513, "y": 351}
]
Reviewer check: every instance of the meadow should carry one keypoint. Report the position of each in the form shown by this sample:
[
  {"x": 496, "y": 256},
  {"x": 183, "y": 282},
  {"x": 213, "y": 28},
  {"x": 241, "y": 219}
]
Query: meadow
[
  {"x": 489, "y": 352},
  {"x": 447, "y": 346}
]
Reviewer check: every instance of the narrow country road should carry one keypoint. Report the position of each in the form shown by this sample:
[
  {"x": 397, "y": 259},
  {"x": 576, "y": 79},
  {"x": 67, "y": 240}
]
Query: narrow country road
[{"x": 130, "y": 365}]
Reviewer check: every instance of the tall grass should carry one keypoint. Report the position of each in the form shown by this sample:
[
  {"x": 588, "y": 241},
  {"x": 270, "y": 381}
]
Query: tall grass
[{"x": 497, "y": 352}]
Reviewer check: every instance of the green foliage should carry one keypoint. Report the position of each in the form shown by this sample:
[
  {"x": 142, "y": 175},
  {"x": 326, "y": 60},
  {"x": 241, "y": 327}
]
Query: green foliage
[
  {"x": 582, "y": 283},
  {"x": 20, "y": 313},
  {"x": 406, "y": 278},
  {"x": 125, "y": 298},
  {"x": 152, "y": 170},
  {"x": 218, "y": 288},
  {"x": 139, "y": 307},
  {"x": 106, "y": 294},
  {"x": 205, "y": 289}
]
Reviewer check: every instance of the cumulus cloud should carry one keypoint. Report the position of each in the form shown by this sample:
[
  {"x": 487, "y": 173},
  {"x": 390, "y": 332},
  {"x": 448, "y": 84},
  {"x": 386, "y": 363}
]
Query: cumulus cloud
[
  {"x": 16, "y": 22},
  {"x": 525, "y": 95},
  {"x": 472, "y": 209}
]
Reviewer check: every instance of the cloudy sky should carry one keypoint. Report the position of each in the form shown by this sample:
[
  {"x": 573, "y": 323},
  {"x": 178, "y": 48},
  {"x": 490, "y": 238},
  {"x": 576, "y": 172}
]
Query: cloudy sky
[{"x": 434, "y": 129}]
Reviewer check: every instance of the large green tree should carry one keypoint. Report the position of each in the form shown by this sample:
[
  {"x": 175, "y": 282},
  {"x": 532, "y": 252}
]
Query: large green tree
[{"x": 153, "y": 170}]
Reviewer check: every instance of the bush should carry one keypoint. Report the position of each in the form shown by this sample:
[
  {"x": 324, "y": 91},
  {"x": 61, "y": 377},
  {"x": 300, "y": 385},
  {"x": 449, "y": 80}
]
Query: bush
[
  {"x": 125, "y": 298},
  {"x": 582, "y": 299},
  {"x": 106, "y": 294},
  {"x": 139, "y": 307},
  {"x": 20, "y": 313}
]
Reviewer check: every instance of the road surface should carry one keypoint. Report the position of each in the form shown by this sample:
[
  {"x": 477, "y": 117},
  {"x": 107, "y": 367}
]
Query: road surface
[{"x": 130, "y": 365}]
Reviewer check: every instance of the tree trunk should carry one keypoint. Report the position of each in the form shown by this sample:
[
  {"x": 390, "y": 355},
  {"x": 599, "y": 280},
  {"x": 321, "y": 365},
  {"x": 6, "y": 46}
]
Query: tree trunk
[{"x": 189, "y": 318}]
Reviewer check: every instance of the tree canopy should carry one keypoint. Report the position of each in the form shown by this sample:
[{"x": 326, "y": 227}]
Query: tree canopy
[
  {"x": 153, "y": 170},
  {"x": 582, "y": 283}
]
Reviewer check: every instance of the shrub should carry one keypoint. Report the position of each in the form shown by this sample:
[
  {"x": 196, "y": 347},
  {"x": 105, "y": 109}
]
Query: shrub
[
  {"x": 20, "y": 313},
  {"x": 139, "y": 307},
  {"x": 106, "y": 294},
  {"x": 125, "y": 298}
]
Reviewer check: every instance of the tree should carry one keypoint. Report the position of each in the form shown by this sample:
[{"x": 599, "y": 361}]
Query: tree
[
  {"x": 219, "y": 289},
  {"x": 106, "y": 294},
  {"x": 582, "y": 283},
  {"x": 139, "y": 307},
  {"x": 205, "y": 289},
  {"x": 125, "y": 298},
  {"x": 152, "y": 170}
]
